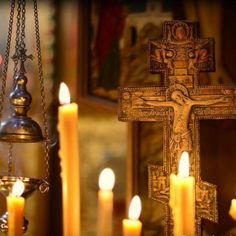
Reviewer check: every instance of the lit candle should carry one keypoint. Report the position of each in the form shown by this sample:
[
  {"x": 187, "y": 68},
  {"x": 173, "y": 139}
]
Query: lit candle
[
  {"x": 105, "y": 202},
  {"x": 69, "y": 154},
  {"x": 182, "y": 199},
  {"x": 15, "y": 209},
  {"x": 232, "y": 210},
  {"x": 132, "y": 226}
]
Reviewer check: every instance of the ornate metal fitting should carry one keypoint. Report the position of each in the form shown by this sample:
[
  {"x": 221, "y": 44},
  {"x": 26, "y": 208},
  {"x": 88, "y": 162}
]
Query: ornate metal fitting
[
  {"x": 6, "y": 184},
  {"x": 4, "y": 224},
  {"x": 19, "y": 127}
]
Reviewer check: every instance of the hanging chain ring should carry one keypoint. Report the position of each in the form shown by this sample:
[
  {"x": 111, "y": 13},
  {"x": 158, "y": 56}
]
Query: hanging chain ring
[{"x": 44, "y": 187}]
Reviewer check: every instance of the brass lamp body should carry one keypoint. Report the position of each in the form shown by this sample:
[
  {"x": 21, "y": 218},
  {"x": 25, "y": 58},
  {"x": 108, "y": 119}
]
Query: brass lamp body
[{"x": 19, "y": 127}]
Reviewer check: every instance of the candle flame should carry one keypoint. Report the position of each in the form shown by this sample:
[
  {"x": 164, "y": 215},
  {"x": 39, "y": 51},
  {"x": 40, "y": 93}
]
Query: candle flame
[
  {"x": 135, "y": 208},
  {"x": 184, "y": 165},
  {"x": 232, "y": 210},
  {"x": 106, "y": 179},
  {"x": 64, "y": 94},
  {"x": 18, "y": 188}
]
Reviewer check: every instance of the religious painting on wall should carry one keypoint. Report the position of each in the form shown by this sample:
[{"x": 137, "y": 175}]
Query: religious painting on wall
[
  {"x": 118, "y": 37},
  {"x": 120, "y": 59}
]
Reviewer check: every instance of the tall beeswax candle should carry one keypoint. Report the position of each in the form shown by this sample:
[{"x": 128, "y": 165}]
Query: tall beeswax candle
[
  {"x": 69, "y": 154},
  {"x": 182, "y": 199}
]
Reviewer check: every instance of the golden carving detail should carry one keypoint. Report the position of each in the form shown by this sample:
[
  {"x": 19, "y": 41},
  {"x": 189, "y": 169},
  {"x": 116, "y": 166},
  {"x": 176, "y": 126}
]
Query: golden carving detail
[
  {"x": 180, "y": 103},
  {"x": 181, "y": 54}
]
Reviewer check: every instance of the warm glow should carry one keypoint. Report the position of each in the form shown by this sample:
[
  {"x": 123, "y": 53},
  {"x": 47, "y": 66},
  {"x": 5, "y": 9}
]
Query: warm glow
[
  {"x": 135, "y": 208},
  {"x": 233, "y": 203},
  {"x": 18, "y": 188},
  {"x": 184, "y": 165},
  {"x": 232, "y": 210},
  {"x": 64, "y": 94},
  {"x": 106, "y": 179}
]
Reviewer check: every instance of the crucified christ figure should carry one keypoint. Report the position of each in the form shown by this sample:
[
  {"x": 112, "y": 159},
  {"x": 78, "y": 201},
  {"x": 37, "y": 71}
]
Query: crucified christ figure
[{"x": 181, "y": 138}]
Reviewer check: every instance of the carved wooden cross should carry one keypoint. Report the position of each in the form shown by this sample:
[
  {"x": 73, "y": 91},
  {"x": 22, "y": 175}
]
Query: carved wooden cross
[{"x": 180, "y": 104}]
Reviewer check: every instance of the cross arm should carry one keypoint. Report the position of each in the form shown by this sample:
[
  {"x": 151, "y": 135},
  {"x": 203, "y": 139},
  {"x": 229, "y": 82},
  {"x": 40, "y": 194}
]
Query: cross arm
[
  {"x": 133, "y": 104},
  {"x": 212, "y": 100},
  {"x": 206, "y": 202},
  {"x": 215, "y": 102},
  {"x": 155, "y": 101}
]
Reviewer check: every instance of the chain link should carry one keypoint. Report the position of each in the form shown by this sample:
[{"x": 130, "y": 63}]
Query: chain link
[
  {"x": 4, "y": 76},
  {"x": 17, "y": 40},
  {"x": 10, "y": 159},
  {"x": 22, "y": 39},
  {"x": 18, "y": 28},
  {"x": 6, "y": 56},
  {"x": 42, "y": 90}
]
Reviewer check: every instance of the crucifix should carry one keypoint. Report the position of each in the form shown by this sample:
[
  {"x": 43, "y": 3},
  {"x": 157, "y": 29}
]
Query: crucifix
[{"x": 180, "y": 104}]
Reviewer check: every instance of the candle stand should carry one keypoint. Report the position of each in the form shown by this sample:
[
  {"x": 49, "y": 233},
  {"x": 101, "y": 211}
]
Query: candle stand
[{"x": 31, "y": 185}]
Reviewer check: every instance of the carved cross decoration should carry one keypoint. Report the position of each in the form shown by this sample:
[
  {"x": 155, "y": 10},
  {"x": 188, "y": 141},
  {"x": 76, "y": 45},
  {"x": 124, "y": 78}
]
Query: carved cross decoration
[{"x": 180, "y": 104}]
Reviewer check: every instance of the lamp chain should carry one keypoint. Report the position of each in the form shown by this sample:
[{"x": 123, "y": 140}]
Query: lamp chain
[
  {"x": 4, "y": 75},
  {"x": 20, "y": 37},
  {"x": 42, "y": 90},
  {"x": 18, "y": 19},
  {"x": 6, "y": 56},
  {"x": 20, "y": 44},
  {"x": 20, "y": 34},
  {"x": 10, "y": 159}
]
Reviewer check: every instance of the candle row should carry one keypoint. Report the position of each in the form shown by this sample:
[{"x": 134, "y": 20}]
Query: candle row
[
  {"x": 69, "y": 154},
  {"x": 182, "y": 202},
  {"x": 182, "y": 186},
  {"x": 131, "y": 226}
]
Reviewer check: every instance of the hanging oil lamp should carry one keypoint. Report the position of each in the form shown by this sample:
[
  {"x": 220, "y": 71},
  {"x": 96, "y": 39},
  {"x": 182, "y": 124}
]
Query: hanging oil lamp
[{"x": 19, "y": 127}]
